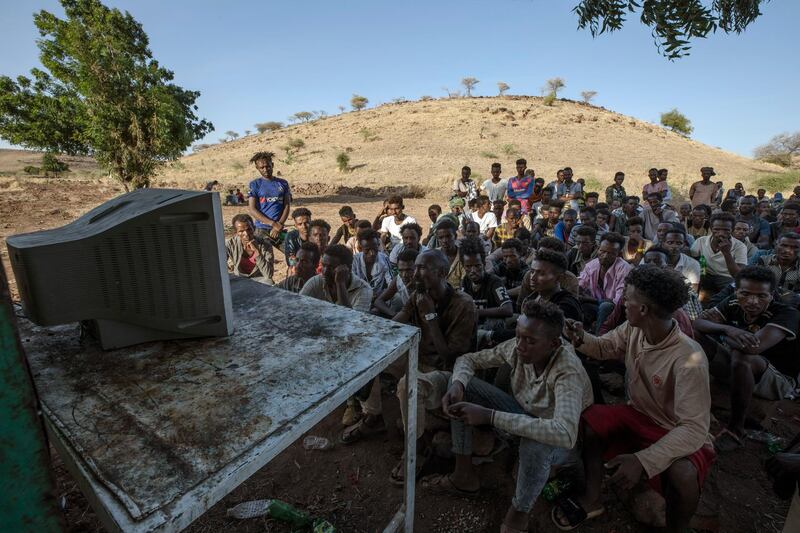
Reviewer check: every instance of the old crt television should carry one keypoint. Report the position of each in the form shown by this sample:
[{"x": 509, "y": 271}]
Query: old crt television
[{"x": 147, "y": 265}]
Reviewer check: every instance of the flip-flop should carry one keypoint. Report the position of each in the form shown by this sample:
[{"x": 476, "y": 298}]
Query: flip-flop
[
  {"x": 443, "y": 484},
  {"x": 727, "y": 441},
  {"x": 573, "y": 512},
  {"x": 360, "y": 430}
]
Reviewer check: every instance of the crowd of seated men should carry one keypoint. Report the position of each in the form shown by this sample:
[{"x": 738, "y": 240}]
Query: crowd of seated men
[{"x": 523, "y": 291}]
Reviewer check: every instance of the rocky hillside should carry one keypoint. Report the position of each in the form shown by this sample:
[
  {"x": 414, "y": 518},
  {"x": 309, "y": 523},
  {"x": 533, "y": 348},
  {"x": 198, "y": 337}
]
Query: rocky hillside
[{"x": 424, "y": 144}]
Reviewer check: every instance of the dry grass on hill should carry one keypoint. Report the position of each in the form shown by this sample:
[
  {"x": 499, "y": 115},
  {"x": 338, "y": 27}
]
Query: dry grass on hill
[{"x": 424, "y": 144}]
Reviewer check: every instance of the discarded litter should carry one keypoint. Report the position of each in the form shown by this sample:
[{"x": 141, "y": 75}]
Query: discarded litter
[
  {"x": 282, "y": 511},
  {"x": 317, "y": 443},
  {"x": 774, "y": 443}
]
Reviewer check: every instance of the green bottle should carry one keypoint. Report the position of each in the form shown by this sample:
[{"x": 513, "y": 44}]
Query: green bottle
[
  {"x": 287, "y": 513},
  {"x": 703, "y": 265}
]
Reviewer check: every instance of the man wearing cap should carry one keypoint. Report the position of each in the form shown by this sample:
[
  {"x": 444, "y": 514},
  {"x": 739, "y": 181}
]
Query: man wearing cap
[{"x": 703, "y": 192}]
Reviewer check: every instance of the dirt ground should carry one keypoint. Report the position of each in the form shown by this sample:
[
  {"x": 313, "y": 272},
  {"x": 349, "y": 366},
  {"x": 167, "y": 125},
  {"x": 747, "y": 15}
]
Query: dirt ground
[{"x": 349, "y": 484}]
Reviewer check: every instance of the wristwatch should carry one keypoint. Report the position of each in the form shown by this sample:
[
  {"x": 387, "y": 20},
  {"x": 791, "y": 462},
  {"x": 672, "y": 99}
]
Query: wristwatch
[{"x": 431, "y": 316}]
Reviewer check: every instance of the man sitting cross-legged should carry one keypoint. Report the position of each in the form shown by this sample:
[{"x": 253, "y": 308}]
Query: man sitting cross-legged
[
  {"x": 662, "y": 433},
  {"x": 750, "y": 340},
  {"x": 549, "y": 390},
  {"x": 446, "y": 318}
]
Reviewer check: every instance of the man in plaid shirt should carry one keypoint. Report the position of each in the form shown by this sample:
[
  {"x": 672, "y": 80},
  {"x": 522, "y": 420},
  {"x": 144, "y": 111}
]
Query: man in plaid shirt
[{"x": 549, "y": 390}]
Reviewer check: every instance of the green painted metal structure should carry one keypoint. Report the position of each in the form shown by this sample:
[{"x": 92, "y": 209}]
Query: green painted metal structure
[{"x": 27, "y": 498}]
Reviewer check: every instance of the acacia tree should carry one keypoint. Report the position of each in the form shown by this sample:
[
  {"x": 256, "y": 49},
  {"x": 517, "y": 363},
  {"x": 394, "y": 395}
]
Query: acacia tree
[
  {"x": 469, "y": 84},
  {"x": 272, "y": 125},
  {"x": 554, "y": 85},
  {"x": 232, "y": 135},
  {"x": 502, "y": 87},
  {"x": 102, "y": 94},
  {"x": 677, "y": 122},
  {"x": 588, "y": 95},
  {"x": 674, "y": 23},
  {"x": 358, "y": 102},
  {"x": 780, "y": 150}
]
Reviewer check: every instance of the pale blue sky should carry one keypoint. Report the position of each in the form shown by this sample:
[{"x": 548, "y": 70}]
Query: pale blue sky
[{"x": 258, "y": 61}]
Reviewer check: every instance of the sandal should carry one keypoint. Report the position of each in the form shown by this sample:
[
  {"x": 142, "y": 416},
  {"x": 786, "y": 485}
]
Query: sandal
[
  {"x": 727, "y": 441},
  {"x": 443, "y": 484},
  {"x": 361, "y": 430},
  {"x": 573, "y": 512},
  {"x": 398, "y": 474}
]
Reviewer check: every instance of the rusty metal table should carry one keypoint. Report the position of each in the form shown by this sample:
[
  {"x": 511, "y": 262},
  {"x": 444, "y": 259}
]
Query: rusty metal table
[{"x": 156, "y": 434}]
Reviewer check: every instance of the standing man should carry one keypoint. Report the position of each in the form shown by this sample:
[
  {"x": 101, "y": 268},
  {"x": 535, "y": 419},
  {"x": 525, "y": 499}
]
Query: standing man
[
  {"x": 495, "y": 187},
  {"x": 465, "y": 187},
  {"x": 521, "y": 186},
  {"x": 616, "y": 191},
  {"x": 663, "y": 188},
  {"x": 268, "y": 199},
  {"x": 705, "y": 191},
  {"x": 653, "y": 186}
]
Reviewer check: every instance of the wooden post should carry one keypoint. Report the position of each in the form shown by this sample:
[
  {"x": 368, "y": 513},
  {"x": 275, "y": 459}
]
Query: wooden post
[{"x": 411, "y": 435}]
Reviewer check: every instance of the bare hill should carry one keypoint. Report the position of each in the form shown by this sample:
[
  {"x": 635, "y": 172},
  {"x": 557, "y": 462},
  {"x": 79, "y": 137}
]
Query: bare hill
[{"x": 425, "y": 143}]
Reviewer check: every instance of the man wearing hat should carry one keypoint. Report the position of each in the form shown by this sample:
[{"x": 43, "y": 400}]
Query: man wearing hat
[{"x": 703, "y": 192}]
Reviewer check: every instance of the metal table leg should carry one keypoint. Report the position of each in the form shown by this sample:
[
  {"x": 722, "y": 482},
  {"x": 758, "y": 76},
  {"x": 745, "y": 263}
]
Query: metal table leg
[{"x": 411, "y": 435}]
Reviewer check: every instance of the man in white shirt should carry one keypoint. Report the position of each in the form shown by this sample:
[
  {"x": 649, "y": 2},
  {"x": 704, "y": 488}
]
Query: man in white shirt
[
  {"x": 723, "y": 256},
  {"x": 394, "y": 220},
  {"x": 495, "y": 188},
  {"x": 485, "y": 218}
]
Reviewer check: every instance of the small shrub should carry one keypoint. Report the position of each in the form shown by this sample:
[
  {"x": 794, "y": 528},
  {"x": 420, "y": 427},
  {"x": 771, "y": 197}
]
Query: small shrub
[
  {"x": 502, "y": 87},
  {"x": 508, "y": 149},
  {"x": 367, "y": 135},
  {"x": 237, "y": 166},
  {"x": 33, "y": 171},
  {"x": 677, "y": 122},
  {"x": 52, "y": 165},
  {"x": 549, "y": 99},
  {"x": 425, "y": 98},
  {"x": 232, "y": 134},
  {"x": 399, "y": 100},
  {"x": 296, "y": 144},
  {"x": 342, "y": 109},
  {"x": 358, "y": 102},
  {"x": 488, "y": 155},
  {"x": 588, "y": 95},
  {"x": 199, "y": 147},
  {"x": 343, "y": 161},
  {"x": 268, "y": 126},
  {"x": 178, "y": 165},
  {"x": 593, "y": 184}
]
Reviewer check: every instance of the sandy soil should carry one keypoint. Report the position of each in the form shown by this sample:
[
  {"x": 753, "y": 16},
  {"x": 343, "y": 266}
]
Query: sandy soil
[{"x": 349, "y": 485}]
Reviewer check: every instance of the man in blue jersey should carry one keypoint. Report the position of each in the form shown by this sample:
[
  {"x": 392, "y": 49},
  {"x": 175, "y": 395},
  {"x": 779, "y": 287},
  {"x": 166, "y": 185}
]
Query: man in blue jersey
[{"x": 268, "y": 199}]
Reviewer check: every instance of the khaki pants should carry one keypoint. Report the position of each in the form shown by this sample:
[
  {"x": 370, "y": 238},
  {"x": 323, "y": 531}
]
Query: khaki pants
[{"x": 431, "y": 386}]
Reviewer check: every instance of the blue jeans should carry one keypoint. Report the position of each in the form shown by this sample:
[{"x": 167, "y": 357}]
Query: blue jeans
[
  {"x": 535, "y": 458},
  {"x": 604, "y": 310}
]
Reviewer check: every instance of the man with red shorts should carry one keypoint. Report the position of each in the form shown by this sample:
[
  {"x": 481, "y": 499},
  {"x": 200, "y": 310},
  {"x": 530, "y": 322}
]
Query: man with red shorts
[{"x": 662, "y": 433}]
